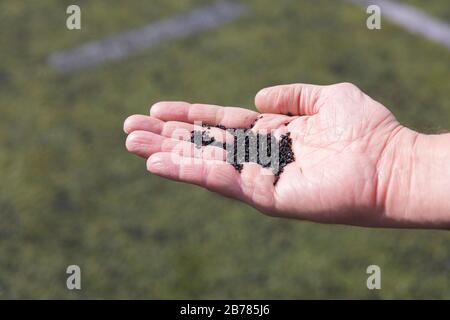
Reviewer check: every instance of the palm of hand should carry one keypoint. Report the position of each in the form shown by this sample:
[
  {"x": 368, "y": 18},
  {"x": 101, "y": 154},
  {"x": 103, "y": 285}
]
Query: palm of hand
[
  {"x": 338, "y": 158},
  {"x": 338, "y": 136}
]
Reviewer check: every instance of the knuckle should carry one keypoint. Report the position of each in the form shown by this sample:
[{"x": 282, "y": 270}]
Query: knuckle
[{"x": 347, "y": 86}]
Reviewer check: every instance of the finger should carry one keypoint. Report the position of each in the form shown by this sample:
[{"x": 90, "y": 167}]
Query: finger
[
  {"x": 292, "y": 99},
  {"x": 269, "y": 121},
  {"x": 257, "y": 184},
  {"x": 230, "y": 117},
  {"x": 144, "y": 123},
  {"x": 217, "y": 176},
  {"x": 144, "y": 144},
  {"x": 172, "y": 129}
]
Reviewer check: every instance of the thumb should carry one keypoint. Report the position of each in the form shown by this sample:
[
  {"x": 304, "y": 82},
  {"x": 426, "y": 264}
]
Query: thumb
[{"x": 292, "y": 99}]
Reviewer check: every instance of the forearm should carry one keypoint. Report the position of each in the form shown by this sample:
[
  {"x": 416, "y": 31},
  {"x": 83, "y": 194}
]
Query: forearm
[{"x": 418, "y": 183}]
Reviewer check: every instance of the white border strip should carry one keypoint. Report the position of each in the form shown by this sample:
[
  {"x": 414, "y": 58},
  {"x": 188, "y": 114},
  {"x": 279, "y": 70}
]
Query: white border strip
[
  {"x": 124, "y": 44},
  {"x": 413, "y": 20}
]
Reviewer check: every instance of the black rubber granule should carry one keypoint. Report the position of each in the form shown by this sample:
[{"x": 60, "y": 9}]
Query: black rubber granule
[
  {"x": 221, "y": 127},
  {"x": 238, "y": 151},
  {"x": 201, "y": 138},
  {"x": 286, "y": 153}
]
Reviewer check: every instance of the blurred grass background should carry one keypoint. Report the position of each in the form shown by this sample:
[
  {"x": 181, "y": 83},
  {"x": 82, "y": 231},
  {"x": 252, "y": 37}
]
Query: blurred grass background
[{"x": 71, "y": 194}]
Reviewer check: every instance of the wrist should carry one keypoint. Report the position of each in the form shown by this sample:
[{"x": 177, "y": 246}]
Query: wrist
[{"x": 415, "y": 180}]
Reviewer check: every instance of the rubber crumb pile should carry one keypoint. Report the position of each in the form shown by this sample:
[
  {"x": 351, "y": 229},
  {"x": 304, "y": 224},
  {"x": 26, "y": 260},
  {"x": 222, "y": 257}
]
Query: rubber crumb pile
[{"x": 270, "y": 152}]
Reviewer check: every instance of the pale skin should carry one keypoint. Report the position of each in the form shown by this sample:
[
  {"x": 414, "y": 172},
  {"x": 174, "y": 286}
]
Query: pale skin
[{"x": 354, "y": 162}]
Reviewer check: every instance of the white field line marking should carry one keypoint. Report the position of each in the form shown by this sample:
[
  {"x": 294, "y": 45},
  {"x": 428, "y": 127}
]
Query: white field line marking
[
  {"x": 123, "y": 44},
  {"x": 412, "y": 19}
]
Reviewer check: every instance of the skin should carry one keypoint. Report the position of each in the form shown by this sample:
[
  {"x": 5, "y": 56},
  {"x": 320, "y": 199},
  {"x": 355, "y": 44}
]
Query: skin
[{"x": 354, "y": 162}]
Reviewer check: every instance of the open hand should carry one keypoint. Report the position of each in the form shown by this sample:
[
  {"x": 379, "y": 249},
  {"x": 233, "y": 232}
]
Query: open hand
[{"x": 340, "y": 136}]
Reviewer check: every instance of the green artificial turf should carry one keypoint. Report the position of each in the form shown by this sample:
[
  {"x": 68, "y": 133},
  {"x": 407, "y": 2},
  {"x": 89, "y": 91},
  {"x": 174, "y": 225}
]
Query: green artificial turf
[{"x": 71, "y": 194}]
